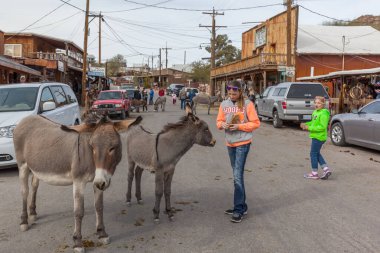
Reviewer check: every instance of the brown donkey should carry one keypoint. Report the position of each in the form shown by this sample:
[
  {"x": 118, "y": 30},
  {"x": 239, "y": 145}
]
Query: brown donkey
[
  {"x": 161, "y": 154},
  {"x": 65, "y": 155}
]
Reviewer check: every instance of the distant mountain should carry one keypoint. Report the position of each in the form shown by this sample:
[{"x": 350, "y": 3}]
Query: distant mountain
[{"x": 369, "y": 20}]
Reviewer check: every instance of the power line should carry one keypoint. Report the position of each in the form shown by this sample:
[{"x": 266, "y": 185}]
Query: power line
[
  {"x": 197, "y": 10},
  {"x": 119, "y": 38},
  {"x": 67, "y": 2},
  {"x": 58, "y": 21},
  {"x": 138, "y": 8},
  {"x": 44, "y": 16},
  {"x": 317, "y": 13}
]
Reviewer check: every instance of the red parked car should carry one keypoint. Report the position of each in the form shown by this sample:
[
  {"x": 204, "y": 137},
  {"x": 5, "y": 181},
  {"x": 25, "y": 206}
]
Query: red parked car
[{"x": 112, "y": 102}]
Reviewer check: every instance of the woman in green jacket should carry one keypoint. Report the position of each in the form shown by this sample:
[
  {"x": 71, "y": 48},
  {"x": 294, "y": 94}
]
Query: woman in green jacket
[{"x": 318, "y": 134}]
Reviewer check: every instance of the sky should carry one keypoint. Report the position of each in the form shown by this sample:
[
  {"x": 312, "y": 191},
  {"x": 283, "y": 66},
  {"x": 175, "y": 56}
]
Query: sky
[{"x": 136, "y": 30}]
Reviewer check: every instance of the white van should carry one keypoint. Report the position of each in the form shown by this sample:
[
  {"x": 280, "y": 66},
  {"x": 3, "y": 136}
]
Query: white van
[{"x": 55, "y": 101}]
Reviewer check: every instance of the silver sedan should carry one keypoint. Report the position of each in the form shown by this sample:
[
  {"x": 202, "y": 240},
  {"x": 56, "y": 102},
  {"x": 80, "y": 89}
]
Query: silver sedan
[{"x": 361, "y": 127}]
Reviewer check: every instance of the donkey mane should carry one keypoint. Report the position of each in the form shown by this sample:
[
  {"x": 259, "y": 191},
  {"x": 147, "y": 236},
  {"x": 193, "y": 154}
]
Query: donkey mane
[{"x": 181, "y": 123}]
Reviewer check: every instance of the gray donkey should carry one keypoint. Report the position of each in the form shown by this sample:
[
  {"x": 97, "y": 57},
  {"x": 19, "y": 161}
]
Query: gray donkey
[
  {"x": 206, "y": 100},
  {"x": 161, "y": 154},
  {"x": 160, "y": 101}
]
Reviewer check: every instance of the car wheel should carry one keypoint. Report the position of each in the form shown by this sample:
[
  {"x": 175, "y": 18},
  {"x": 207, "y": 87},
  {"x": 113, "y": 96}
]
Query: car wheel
[
  {"x": 337, "y": 134},
  {"x": 123, "y": 114},
  {"x": 76, "y": 122},
  {"x": 127, "y": 114},
  {"x": 277, "y": 122}
]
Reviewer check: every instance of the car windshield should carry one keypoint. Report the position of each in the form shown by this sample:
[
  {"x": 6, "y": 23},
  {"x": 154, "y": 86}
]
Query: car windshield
[
  {"x": 109, "y": 95},
  {"x": 18, "y": 99},
  {"x": 306, "y": 90},
  {"x": 130, "y": 93},
  {"x": 179, "y": 87}
]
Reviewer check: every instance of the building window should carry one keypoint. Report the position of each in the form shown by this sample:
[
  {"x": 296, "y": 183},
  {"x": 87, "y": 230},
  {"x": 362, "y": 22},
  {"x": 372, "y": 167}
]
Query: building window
[{"x": 14, "y": 50}]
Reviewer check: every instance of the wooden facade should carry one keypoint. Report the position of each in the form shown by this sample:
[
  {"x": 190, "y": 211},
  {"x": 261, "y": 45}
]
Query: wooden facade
[
  {"x": 58, "y": 60},
  {"x": 264, "y": 49},
  {"x": 10, "y": 70}
]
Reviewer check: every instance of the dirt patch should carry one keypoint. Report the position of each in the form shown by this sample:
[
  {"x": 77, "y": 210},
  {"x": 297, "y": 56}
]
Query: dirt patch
[{"x": 139, "y": 222}]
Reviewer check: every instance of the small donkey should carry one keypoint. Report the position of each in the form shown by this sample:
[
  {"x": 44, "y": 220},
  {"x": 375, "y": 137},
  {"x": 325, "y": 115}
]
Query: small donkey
[{"x": 159, "y": 153}]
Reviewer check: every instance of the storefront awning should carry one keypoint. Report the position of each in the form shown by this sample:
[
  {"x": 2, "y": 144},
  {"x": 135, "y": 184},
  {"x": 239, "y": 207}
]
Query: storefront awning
[
  {"x": 342, "y": 73},
  {"x": 7, "y": 63}
]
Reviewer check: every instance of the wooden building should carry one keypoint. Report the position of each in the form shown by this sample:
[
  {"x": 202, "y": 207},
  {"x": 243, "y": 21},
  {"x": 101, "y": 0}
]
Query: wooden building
[
  {"x": 10, "y": 70},
  {"x": 58, "y": 60},
  {"x": 169, "y": 76},
  {"x": 316, "y": 50}
]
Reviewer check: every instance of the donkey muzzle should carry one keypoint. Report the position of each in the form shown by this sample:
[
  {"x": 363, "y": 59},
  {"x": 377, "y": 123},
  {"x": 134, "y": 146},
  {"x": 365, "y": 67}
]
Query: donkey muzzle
[
  {"x": 212, "y": 143},
  {"x": 102, "y": 179}
]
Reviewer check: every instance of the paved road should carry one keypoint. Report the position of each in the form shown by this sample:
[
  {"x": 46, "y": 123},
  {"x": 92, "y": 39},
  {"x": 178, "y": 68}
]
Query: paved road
[{"x": 286, "y": 212}]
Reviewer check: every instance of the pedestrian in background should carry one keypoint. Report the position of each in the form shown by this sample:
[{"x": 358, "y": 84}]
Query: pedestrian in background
[
  {"x": 238, "y": 118},
  {"x": 182, "y": 97},
  {"x": 191, "y": 96},
  {"x": 151, "y": 95},
  {"x": 318, "y": 134},
  {"x": 174, "y": 97},
  {"x": 161, "y": 92}
]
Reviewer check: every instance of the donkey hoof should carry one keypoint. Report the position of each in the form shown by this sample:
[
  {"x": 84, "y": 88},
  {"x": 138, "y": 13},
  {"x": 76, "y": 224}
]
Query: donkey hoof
[
  {"x": 104, "y": 240},
  {"x": 24, "y": 227},
  {"x": 79, "y": 250},
  {"x": 157, "y": 220},
  {"x": 32, "y": 218},
  {"x": 129, "y": 203},
  {"x": 140, "y": 202}
]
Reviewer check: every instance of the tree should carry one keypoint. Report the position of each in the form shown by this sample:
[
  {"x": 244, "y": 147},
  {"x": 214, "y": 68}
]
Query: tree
[
  {"x": 200, "y": 72},
  {"x": 225, "y": 52},
  {"x": 115, "y": 64}
]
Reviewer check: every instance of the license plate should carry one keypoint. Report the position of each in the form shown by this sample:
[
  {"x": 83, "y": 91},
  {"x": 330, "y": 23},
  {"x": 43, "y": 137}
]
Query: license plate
[{"x": 307, "y": 117}]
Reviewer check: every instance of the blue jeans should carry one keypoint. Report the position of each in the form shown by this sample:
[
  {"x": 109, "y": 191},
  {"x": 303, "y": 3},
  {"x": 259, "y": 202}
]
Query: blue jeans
[
  {"x": 183, "y": 103},
  {"x": 315, "y": 155},
  {"x": 238, "y": 156}
]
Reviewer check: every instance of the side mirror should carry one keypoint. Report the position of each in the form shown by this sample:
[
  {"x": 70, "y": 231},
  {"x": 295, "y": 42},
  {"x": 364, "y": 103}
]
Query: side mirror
[
  {"x": 355, "y": 111},
  {"x": 48, "y": 106}
]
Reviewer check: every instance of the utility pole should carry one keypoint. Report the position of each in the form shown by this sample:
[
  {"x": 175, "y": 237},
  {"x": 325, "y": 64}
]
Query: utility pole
[
  {"x": 184, "y": 58},
  {"x": 344, "y": 47},
  {"x": 213, "y": 41},
  {"x": 166, "y": 55},
  {"x": 289, "y": 36},
  {"x": 159, "y": 77},
  {"x": 83, "y": 90}
]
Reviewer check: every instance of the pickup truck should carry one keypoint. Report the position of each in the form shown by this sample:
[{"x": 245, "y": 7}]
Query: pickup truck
[
  {"x": 112, "y": 102},
  {"x": 292, "y": 101}
]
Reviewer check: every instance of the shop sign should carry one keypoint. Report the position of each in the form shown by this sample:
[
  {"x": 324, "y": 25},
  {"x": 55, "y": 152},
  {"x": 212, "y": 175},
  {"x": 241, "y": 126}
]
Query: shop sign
[
  {"x": 97, "y": 71},
  {"x": 61, "y": 66}
]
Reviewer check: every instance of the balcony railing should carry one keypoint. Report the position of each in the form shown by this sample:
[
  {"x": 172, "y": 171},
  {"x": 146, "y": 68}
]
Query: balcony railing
[
  {"x": 48, "y": 56},
  {"x": 253, "y": 62}
]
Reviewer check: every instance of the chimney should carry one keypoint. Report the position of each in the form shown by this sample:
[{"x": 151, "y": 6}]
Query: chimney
[{"x": 1, "y": 42}]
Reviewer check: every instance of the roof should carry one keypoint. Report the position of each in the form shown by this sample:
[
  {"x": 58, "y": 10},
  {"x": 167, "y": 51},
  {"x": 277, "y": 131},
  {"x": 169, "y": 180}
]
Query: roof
[
  {"x": 8, "y": 63},
  {"x": 183, "y": 67},
  {"x": 318, "y": 39},
  {"x": 343, "y": 73},
  {"x": 20, "y": 85},
  {"x": 53, "y": 40}
]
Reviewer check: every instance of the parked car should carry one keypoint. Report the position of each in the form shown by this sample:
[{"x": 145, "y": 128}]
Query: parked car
[
  {"x": 174, "y": 88},
  {"x": 112, "y": 102},
  {"x": 196, "y": 91},
  {"x": 55, "y": 101},
  {"x": 361, "y": 127},
  {"x": 290, "y": 101}
]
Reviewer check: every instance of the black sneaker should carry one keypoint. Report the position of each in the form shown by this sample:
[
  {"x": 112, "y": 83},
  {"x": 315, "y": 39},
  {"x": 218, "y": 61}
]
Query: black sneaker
[
  {"x": 231, "y": 212},
  {"x": 236, "y": 218}
]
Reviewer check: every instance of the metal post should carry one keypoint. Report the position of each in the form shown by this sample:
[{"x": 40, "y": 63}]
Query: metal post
[{"x": 83, "y": 91}]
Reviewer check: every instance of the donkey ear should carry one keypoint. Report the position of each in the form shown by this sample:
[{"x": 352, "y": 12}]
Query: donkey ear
[
  {"x": 123, "y": 125},
  {"x": 188, "y": 109},
  {"x": 82, "y": 128}
]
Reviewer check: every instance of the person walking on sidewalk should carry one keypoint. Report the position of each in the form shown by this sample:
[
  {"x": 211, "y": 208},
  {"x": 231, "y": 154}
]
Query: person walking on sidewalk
[
  {"x": 238, "y": 118},
  {"x": 318, "y": 134}
]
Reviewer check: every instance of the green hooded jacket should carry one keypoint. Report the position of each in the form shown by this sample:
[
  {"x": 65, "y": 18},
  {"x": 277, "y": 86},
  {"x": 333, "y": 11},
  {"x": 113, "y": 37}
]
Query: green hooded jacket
[{"x": 319, "y": 124}]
